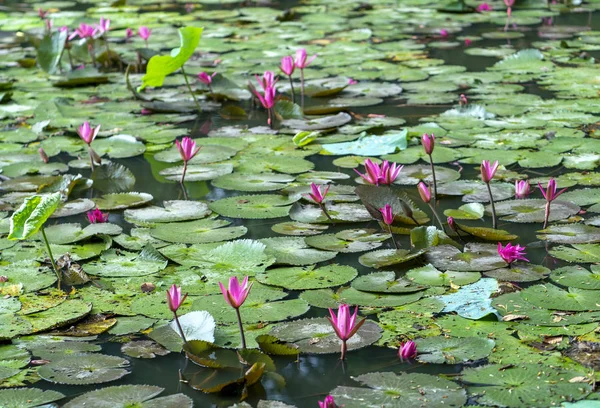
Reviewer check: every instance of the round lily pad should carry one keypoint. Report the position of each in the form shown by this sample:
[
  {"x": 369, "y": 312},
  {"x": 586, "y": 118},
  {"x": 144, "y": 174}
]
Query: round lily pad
[
  {"x": 63, "y": 314},
  {"x": 28, "y": 397},
  {"x": 298, "y": 228},
  {"x": 316, "y": 336},
  {"x": 476, "y": 191},
  {"x": 348, "y": 241},
  {"x": 308, "y": 277},
  {"x": 84, "y": 369},
  {"x": 577, "y": 277},
  {"x": 430, "y": 276},
  {"x": 31, "y": 275},
  {"x": 532, "y": 210},
  {"x": 352, "y": 296},
  {"x": 571, "y": 234},
  {"x": 122, "y": 396},
  {"x": 403, "y": 390},
  {"x": 448, "y": 350},
  {"x": 385, "y": 282},
  {"x": 294, "y": 251},
  {"x": 475, "y": 258},
  {"x": 197, "y": 172},
  {"x": 57, "y": 350},
  {"x": 552, "y": 297},
  {"x": 519, "y": 272},
  {"x": 253, "y": 206},
  {"x": 143, "y": 349},
  {"x": 253, "y": 182},
  {"x": 198, "y": 231},
  {"x": 173, "y": 211},
  {"x": 120, "y": 201},
  {"x": 114, "y": 263},
  {"x": 387, "y": 257}
]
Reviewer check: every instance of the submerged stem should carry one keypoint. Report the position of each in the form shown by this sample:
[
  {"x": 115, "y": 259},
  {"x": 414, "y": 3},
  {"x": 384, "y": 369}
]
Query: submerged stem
[
  {"x": 547, "y": 214},
  {"x": 327, "y": 214},
  {"x": 239, "y": 319},
  {"x": 184, "y": 171},
  {"x": 437, "y": 217},
  {"x": 56, "y": 271},
  {"x": 344, "y": 349},
  {"x": 187, "y": 83},
  {"x": 392, "y": 235},
  {"x": 302, "y": 89},
  {"x": 493, "y": 205},
  {"x": 292, "y": 86}
]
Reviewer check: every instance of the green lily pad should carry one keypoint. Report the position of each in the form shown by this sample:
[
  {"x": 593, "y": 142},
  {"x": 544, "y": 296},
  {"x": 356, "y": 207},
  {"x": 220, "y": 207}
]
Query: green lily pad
[
  {"x": 298, "y": 228},
  {"x": 70, "y": 233},
  {"x": 197, "y": 172},
  {"x": 308, "y": 277},
  {"x": 197, "y": 232},
  {"x": 472, "y": 301},
  {"x": 28, "y": 397},
  {"x": 120, "y": 201},
  {"x": 532, "y": 210},
  {"x": 476, "y": 257},
  {"x": 476, "y": 192},
  {"x": 523, "y": 385},
  {"x": 113, "y": 263},
  {"x": 386, "y": 257},
  {"x": 122, "y": 396},
  {"x": 554, "y": 298},
  {"x": 173, "y": 211},
  {"x": 577, "y": 253},
  {"x": 252, "y": 206},
  {"x": 385, "y": 282},
  {"x": 252, "y": 312},
  {"x": 400, "y": 391},
  {"x": 472, "y": 211},
  {"x": 63, "y": 314},
  {"x": 236, "y": 258},
  {"x": 448, "y": 350},
  {"x": 348, "y": 241},
  {"x": 519, "y": 272},
  {"x": 143, "y": 349},
  {"x": 253, "y": 182},
  {"x": 355, "y": 297},
  {"x": 294, "y": 251},
  {"x": 316, "y": 336},
  {"x": 577, "y": 277},
  {"x": 571, "y": 234},
  {"x": 81, "y": 370},
  {"x": 428, "y": 275}
]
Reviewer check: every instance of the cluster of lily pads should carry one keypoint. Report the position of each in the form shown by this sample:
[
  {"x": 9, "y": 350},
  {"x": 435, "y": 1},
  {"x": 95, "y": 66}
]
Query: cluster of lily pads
[{"x": 178, "y": 187}]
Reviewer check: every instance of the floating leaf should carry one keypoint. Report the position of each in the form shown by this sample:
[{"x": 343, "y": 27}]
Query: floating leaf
[
  {"x": 308, "y": 277},
  {"x": 430, "y": 276},
  {"x": 440, "y": 350},
  {"x": 28, "y": 397},
  {"x": 86, "y": 369},
  {"x": 32, "y": 214},
  {"x": 472, "y": 301}
]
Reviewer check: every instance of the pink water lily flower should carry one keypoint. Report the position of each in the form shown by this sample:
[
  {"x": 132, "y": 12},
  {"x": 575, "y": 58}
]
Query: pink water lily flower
[
  {"x": 301, "y": 60},
  {"x": 236, "y": 294},
  {"x": 407, "y": 350},
  {"x": 468, "y": 42},
  {"x": 372, "y": 172},
  {"x": 174, "y": 299},
  {"x": 428, "y": 142},
  {"x": 96, "y": 216},
  {"x": 443, "y": 33},
  {"x": 511, "y": 253},
  {"x": 483, "y": 7},
  {"x": 451, "y": 224},
  {"x": 389, "y": 172},
  {"x": 488, "y": 170},
  {"x": 424, "y": 192},
  {"x": 83, "y": 31},
  {"x": 128, "y": 33},
  {"x": 387, "y": 214},
  {"x": 86, "y": 133},
  {"x": 550, "y": 193},
  {"x": 268, "y": 80},
  {"x": 42, "y": 14},
  {"x": 104, "y": 26},
  {"x": 316, "y": 194},
  {"x": 287, "y": 65},
  {"x": 268, "y": 100},
  {"x": 328, "y": 402},
  {"x": 205, "y": 78},
  {"x": 144, "y": 32},
  {"x": 344, "y": 324},
  {"x": 522, "y": 188},
  {"x": 187, "y": 148}
]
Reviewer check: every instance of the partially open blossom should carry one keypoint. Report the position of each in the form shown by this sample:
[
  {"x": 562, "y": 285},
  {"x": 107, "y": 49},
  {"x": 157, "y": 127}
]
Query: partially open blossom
[
  {"x": 428, "y": 142},
  {"x": 407, "y": 350},
  {"x": 352, "y": 81},
  {"x": 316, "y": 193},
  {"x": 268, "y": 100},
  {"x": 301, "y": 60},
  {"x": 468, "y": 42},
  {"x": 287, "y": 65},
  {"x": 236, "y": 294},
  {"x": 42, "y": 14},
  {"x": 174, "y": 299},
  {"x": 96, "y": 216},
  {"x": 144, "y": 32},
  {"x": 187, "y": 148},
  {"x": 43, "y": 155},
  {"x": 488, "y": 170},
  {"x": 550, "y": 193},
  {"x": 444, "y": 33},
  {"x": 424, "y": 192},
  {"x": 344, "y": 324},
  {"x": 205, "y": 78},
  {"x": 86, "y": 133},
  {"x": 83, "y": 31},
  {"x": 389, "y": 172},
  {"x": 372, "y": 172},
  {"x": 328, "y": 402},
  {"x": 387, "y": 214},
  {"x": 509, "y": 3},
  {"x": 483, "y": 7},
  {"x": 103, "y": 26},
  {"x": 128, "y": 33},
  {"x": 267, "y": 81},
  {"x": 511, "y": 253},
  {"x": 522, "y": 188},
  {"x": 451, "y": 224}
]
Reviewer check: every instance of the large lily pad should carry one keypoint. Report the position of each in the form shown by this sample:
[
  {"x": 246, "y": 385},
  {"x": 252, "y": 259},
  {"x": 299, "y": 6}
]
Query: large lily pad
[
  {"x": 197, "y": 232},
  {"x": 87, "y": 369},
  {"x": 450, "y": 350},
  {"x": 252, "y": 206},
  {"x": 532, "y": 210},
  {"x": 28, "y": 397},
  {"x": 308, "y": 277}
]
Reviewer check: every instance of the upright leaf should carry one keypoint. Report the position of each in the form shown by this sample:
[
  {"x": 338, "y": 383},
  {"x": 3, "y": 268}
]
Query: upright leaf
[
  {"x": 160, "y": 66},
  {"x": 32, "y": 214},
  {"x": 50, "y": 50}
]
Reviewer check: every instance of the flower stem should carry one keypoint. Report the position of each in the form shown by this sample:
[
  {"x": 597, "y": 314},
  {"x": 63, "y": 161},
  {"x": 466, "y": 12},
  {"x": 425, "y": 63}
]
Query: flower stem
[
  {"x": 187, "y": 83},
  {"x": 292, "y": 86},
  {"x": 434, "y": 179},
  {"x": 437, "y": 217},
  {"x": 184, "y": 171},
  {"x": 239, "y": 319},
  {"x": 344, "y": 349},
  {"x": 493, "y": 206},
  {"x": 91, "y": 157},
  {"x": 56, "y": 271},
  {"x": 302, "y": 89},
  {"x": 547, "y": 214},
  {"x": 179, "y": 327},
  {"x": 327, "y": 214},
  {"x": 108, "y": 58},
  {"x": 392, "y": 235}
]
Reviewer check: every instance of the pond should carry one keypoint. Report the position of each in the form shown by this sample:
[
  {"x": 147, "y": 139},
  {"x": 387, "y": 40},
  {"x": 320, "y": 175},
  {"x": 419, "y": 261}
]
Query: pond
[{"x": 108, "y": 209}]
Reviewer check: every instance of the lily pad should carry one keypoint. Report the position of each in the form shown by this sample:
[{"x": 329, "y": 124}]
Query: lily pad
[
  {"x": 120, "y": 201},
  {"x": 28, "y": 397},
  {"x": 385, "y": 282},
  {"x": 197, "y": 232},
  {"x": 448, "y": 350},
  {"x": 472, "y": 301},
  {"x": 173, "y": 211},
  {"x": 252, "y": 206},
  {"x": 81, "y": 370},
  {"x": 430, "y": 276},
  {"x": 577, "y": 277},
  {"x": 308, "y": 277},
  {"x": 532, "y": 210}
]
